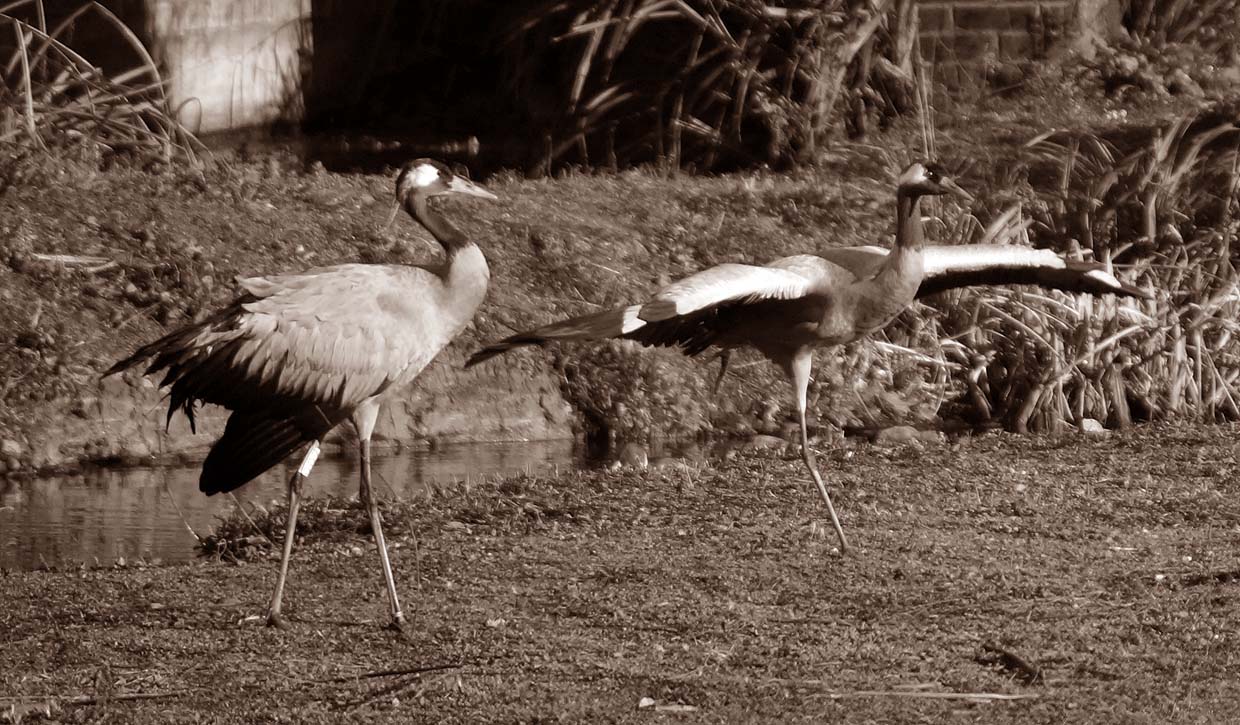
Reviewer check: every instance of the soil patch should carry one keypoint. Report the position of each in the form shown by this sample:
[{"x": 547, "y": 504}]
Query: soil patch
[{"x": 1027, "y": 580}]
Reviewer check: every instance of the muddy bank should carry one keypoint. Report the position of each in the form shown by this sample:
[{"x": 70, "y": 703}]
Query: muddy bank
[{"x": 123, "y": 419}]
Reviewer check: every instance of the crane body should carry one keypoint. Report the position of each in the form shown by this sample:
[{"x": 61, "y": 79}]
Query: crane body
[
  {"x": 298, "y": 354},
  {"x": 794, "y": 305}
]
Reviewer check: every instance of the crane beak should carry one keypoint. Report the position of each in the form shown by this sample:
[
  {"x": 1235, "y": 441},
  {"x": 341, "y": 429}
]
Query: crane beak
[
  {"x": 465, "y": 186},
  {"x": 955, "y": 188}
]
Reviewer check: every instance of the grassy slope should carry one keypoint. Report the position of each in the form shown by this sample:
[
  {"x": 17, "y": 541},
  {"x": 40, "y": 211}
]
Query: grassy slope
[
  {"x": 1110, "y": 563},
  {"x": 556, "y": 247}
]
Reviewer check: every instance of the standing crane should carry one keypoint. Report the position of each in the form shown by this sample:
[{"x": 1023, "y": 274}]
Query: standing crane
[
  {"x": 793, "y": 305},
  {"x": 297, "y": 354}
]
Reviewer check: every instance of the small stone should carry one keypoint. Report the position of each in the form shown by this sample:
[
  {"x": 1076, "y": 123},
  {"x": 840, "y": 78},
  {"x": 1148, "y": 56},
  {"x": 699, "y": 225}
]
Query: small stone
[
  {"x": 635, "y": 456},
  {"x": 1093, "y": 427},
  {"x": 1128, "y": 64},
  {"x": 84, "y": 406},
  {"x": 11, "y": 449},
  {"x": 645, "y": 702},
  {"x": 897, "y": 435},
  {"x": 763, "y": 442},
  {"x": 669, "y": 463},
  {"x": 1182, "y": 84}
]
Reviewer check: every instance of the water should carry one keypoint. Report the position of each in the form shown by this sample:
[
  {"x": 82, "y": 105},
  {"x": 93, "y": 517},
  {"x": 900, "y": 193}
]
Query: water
[{"x": 103, "y": 514}]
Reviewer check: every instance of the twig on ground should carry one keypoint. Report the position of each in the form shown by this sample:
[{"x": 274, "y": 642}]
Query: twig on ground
[
  {"x": 71, "y": 260},
  {"x": 976, "y": 696},
  {"x": 246, "y": 514},
  {"x": 177, "y": 506},
  {"x": 1010, "y": 661},
  {"x": 82, "y": 700},
  {"x": 394, "y": 673},
  {"x": 841, "y": 694}
]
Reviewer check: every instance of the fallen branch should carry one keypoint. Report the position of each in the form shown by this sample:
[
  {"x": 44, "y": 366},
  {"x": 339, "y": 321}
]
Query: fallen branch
[
  {"x": 393, "y": 673},
  {"x": 83, "y": 700},
  {"x": 839, "y": 695},
  {"x": 975, "y": 696},
  {"x": 70, "y": 260},
  {"x": 1217, "y": 577},
  {"x": 1012, "y": 662}
]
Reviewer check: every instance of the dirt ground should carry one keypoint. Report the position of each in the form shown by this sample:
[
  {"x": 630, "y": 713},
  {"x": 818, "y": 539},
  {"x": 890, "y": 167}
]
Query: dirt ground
[{"x": 996, "y": 579}]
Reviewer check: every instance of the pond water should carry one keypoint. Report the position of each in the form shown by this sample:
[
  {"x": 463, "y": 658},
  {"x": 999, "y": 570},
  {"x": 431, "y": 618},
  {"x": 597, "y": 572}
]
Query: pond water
[{"x": 100, "y": 515}]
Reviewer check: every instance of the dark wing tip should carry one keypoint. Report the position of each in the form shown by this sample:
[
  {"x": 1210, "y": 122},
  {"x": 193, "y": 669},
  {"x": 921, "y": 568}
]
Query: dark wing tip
[
  {"x": 483, "y": 355},
  {"x": 499, "y": 348},
  {"x": 122, "y": 365},
  {"x": 251, "y": 444}
]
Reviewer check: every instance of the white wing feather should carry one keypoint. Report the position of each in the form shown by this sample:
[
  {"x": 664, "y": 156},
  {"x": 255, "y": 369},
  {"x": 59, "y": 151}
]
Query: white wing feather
[
  {"x": 978, "y": 257},
  {"x": 723, "y": 283}
]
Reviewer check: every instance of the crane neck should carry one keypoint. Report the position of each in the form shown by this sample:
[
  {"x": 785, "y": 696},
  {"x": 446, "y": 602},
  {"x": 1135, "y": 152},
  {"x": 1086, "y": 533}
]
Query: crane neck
[
  {"x": 908, "y": 221},
  {"x": 452, "y": 239}
]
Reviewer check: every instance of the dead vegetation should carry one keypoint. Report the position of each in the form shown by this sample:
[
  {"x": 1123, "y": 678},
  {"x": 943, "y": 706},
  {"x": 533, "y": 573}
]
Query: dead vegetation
[
  {"x": 709, "y": 84},
  {"x": 56, "y": 99}
]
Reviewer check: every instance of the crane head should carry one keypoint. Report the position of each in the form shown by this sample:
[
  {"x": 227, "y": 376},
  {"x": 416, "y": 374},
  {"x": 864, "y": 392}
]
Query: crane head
[
  {"x": 427, "y": 178},
  {"x": 929, "y": 178}
]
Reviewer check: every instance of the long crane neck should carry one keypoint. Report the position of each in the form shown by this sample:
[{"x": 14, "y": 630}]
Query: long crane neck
[
  {"x": 886, "y": 294},
  {"x": 452, "y": 239},
  {"x": 908, "y": 221}
]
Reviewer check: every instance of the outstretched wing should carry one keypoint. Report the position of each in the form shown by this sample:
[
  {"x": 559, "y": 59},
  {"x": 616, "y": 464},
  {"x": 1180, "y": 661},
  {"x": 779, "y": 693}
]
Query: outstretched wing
[
  {"x": 680, "y": 314},
  {"x": 863, "y": 262},
  {"x": 949, "y": 267},
  {"x": 723, "y": 284}
]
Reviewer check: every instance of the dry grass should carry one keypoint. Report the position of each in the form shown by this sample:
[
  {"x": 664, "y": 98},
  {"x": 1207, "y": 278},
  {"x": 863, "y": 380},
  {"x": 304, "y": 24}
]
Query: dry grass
[
  {"x": 702, "y": 83},
  {"x": 1163, "y": 204},
  {"x": 56, "y": 98}
]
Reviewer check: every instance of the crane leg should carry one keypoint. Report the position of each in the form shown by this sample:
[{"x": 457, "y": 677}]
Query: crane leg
[
  {"x": 367, "y": 496},
  {"x": 724, "y": 357},
  {"x": 800, "y": 370},
  {"x": 294, "y": 502}
]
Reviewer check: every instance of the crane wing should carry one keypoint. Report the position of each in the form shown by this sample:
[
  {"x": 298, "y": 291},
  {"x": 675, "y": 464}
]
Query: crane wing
[
  {"x": 683, "y": 313},
  {"x": 597, "y": 326},
  {"x": 722, "y": 284},
  {"x": 296, "y": 354},
  {"x": 863, "y": 262},
  {"x": 949, "y": 267}
]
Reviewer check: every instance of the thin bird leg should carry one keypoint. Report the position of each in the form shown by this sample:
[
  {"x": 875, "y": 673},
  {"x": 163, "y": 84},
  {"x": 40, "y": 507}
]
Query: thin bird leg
[
  {"x": 800, "y": 370},
  {"x": 294, "y": 502},
  {"x": 724, "y": 357},
  {"x": 367, "y": 496}
]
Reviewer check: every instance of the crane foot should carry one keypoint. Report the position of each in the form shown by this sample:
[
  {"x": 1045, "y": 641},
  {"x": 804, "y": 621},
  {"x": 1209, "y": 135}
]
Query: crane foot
[
  {"x": 277, "y": 620},
  {"x": 397, "y": 626}
]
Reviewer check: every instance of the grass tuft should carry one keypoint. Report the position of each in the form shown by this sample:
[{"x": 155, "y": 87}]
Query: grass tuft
[{"x": 57, "y": 99}]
